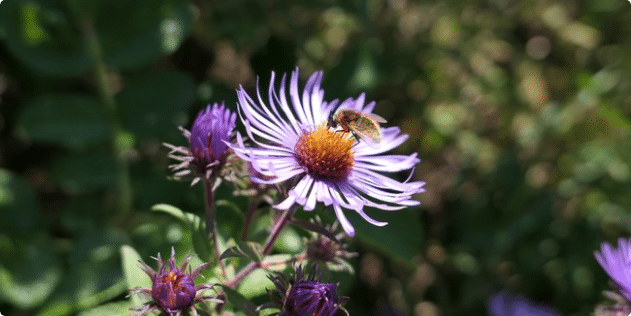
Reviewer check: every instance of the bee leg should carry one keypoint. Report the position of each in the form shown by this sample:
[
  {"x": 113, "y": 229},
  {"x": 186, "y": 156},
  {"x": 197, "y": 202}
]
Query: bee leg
[{"x": 356, "y": 136}]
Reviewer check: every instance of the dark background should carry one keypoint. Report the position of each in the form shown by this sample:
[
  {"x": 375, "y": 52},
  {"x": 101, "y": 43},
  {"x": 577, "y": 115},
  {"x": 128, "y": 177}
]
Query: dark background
[{"x": 519, "y": 110}]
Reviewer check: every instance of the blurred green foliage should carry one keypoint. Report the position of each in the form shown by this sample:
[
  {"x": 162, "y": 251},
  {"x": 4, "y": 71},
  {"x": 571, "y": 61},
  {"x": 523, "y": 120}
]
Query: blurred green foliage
[{"x": 519, "y": 109}]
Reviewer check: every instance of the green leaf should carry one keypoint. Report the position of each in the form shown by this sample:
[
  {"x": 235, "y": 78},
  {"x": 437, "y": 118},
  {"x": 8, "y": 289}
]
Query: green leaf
[
  {"x": 240, "y": 302},
  {"x": 255, "y": 284},
  {"x": 401, "y": 239},
  {"x": 250, "y": 250},
  {"x": 30, "y": 272},
  {"x": 152, "y": 106},
  {"x": 84, "y": 172},
  {"x": 120, "y": 308},
  {"x": 42, "y": 36},
  {"x": 358, "y": 71},
  {"x": 81, "y": 213},
  {"x": 65, "y": 119},
  {"x": 95, "y": 275},
  {"x": 19, "y": 207},
  {"x": 289, "y": 241},
  {"x": 134, "y": 33},
  {"x": 134, "y": 275},
  {"x": 196, "y": 226}
]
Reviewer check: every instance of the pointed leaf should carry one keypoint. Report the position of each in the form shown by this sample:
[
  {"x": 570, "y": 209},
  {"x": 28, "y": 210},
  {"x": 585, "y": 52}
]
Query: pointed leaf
[
  {"x": 240, "y": 302},
  {"x": 134, "y": 275},
  {"x": 196, "y": 225},
  {"x": 250, "y": 250},
  {"x": 313, "y": 227}
]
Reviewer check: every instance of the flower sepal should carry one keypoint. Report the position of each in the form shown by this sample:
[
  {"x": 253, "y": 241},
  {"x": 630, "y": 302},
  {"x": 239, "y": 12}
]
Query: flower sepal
[
  {"x": 173, "y": 290},
  {"x": 304, "y": 295}
]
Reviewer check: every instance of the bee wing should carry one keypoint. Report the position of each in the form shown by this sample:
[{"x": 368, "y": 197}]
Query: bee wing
[
  {"x": 371, "y": 140},
  {"x": 376, "y": 117}
]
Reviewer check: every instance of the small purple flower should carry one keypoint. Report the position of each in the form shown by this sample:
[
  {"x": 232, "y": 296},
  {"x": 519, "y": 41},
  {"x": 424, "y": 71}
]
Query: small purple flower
[
  {"x": 617, "y": 263},
  {"x": 293, "y": 142},
  {"x": 504, "y": 304},
  {"x": 212, "y": 128},
  {"x": 208, "y": 150},
  {"x": 173, "y": 290},
  {"x": 307, "y": 296}
]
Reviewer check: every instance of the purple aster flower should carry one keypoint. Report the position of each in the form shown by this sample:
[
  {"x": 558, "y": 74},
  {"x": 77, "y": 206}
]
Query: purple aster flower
[
  {"x": 173, "y": 290},
  {"x": 504, "y": 304},
  {"x": 294, "y": 142},
  {"x": 617, "y": 263},
  {"x": 307, "y": 296},
  {"x": 208, "y": 150}
]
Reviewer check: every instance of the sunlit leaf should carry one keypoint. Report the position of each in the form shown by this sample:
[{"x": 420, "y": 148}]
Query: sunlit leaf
[
  {"x": 134, "y": 276},
  {"x": 195, "y": 224},
  {"x": 120, "y": 308},
  {"x": 42, "y": 35},
  {"x": 255, "y": 284},
  {"x": 135, "y": 33},
  {"x": 30, "y": 271},
  {"x": 240, "y": 301}
]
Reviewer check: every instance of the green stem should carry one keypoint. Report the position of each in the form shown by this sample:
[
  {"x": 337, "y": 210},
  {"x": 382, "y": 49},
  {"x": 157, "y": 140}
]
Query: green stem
[
  {"x": 211, "y": 229},
  {"x": 119, "y": 146},
  {"x": 254, "y": 202},
  {"x": 267, "y": 248}
]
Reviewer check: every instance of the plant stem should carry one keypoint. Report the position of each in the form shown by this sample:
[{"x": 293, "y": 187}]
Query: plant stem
[
  {"x": 254, "y": 202},
  {"x": 267, "y": 248},
  {"x": 119, "y": 146},
  {"x": 211, "y": 229},
  {"x": 278, "y": 227}
]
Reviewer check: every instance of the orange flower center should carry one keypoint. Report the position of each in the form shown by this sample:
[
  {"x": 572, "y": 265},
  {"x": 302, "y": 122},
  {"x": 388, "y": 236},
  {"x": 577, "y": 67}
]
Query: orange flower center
[{"x": 324, "y": 154}]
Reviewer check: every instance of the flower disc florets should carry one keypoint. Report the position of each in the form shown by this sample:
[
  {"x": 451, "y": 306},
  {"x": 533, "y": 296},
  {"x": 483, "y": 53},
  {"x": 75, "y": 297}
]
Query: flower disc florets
[
  {"x": 173, "y": 289},
  {"x": 325, "y": 155}
]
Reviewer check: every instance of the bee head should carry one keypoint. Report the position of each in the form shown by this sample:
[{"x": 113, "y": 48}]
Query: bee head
[{"x": 332, "y": 123}]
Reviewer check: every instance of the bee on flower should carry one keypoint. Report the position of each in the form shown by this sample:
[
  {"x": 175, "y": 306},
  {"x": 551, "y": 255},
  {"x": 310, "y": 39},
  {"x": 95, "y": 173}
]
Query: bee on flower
[{"x": 292, "y": 141}]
